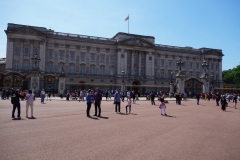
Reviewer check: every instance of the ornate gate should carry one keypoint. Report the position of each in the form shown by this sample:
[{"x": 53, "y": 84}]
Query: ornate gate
[
  {"x": 193, "y": 86},
  {"x": 50, "y": 84}
]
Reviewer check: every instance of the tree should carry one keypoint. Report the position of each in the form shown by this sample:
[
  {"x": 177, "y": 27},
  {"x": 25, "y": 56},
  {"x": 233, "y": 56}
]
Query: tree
[{"x": 232, "y": 76}]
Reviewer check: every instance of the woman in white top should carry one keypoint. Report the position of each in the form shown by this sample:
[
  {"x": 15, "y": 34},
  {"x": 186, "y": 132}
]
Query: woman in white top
[{"x": 29, "y": 102}]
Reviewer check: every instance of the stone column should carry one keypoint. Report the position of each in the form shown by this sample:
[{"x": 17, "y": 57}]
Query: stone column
[
  {"x": 21, "y": 54},
  {"x": 152, "y": 64},
  {"x": 146, "y": 65},
  {"x": 139, "y": 63},
  {"x": 61, "y": 85},
  {"x": 119, "y": 71},
  {"x": 42, "y": 55},
  {"x": 132, "y": 64},
  {"x": 9, "y": 54},
  {"x": 125, "y": 56}
]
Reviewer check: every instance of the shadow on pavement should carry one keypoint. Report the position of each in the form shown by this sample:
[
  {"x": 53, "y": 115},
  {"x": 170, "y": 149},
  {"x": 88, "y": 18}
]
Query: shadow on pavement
[
  {"x": 104, "y": 117},
  {"x": 15, "y": 119},
  {"x": 92, "y": 118},
  {"x": 169, "y": 116},
  {"x": 31, "y": 117},
  {"x": 132, "y": 114}
]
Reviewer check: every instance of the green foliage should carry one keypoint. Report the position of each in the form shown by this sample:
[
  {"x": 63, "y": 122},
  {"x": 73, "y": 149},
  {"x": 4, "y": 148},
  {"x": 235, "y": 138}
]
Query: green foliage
[{"x": 232, "y": 76}]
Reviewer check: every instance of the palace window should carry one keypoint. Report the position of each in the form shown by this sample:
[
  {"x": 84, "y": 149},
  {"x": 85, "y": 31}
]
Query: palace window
[
  {"x": 15, "y": 67},
  {"x": 71, "y": 69},
  {"x": 135, "y": 73},
  {"x": 111, "y": 71},
  {"x": 83, "y": 56},
  {"x": 142, "y": 61},
  {"x": 49, "y": 69},
  {"x": 135, "y": 60},
  {"x": 170, "y": 64},
  {"x": 25, "y": 66},
  {"x": 197, "y": 75},
  {"x": 92, "y": 70},
  {"x": 216, "y": 66},
  {"x": 60, "y": 68},
  {"x": 17, "y": 51},
  {"x": 142, "y": 72},
  {"x": 102, "y": 58},
  {"x": 190, "y": 65},
  {"x": 162, "y": 74},
  {"x": 162, "y": 62},
  {"x": 102, "y": 70},
  {"x": 92, "y": 57},
  {"x": 155, "y": 62},
  {"x": 26, "y": 51},
  {"x": 82, "y": 70},
  {"x": 72, "y": 55},
  {"x": 61, "y": 55},
  {"x": 50, "y": 54},
  {"x": 111, "y": 58},
  {"x": 197, "y": 66},
  {"x": 211, "y": 66},
  {"x": 35, "y": 51},
  {"x": 128, "y": 60}
]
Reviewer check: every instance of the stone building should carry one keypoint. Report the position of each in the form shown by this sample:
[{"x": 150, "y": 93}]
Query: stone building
[{"x": 87, "y": 62}]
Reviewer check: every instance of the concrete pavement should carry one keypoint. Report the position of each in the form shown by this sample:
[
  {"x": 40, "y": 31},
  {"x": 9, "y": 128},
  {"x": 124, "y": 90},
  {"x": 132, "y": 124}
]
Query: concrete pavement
[{"x": 61, "y": 130}]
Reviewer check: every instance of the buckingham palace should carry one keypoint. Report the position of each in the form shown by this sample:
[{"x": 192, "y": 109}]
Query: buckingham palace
[{"x": 37, "y": 57}]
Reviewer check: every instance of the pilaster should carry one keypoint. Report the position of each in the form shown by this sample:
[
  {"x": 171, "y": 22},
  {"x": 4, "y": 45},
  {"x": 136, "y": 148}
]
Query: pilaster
[
  {"x": 9, "y": 54},
  {"x": 42, "y": 55}
]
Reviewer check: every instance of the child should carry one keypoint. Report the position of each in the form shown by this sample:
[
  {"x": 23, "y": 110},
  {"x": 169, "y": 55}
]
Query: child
[
  {"x": 129, "y": 100},
  {"x": 162, "y": 105}
]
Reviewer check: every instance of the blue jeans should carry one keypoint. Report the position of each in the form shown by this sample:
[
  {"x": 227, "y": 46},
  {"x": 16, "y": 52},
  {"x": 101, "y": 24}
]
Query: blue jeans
[
  {"x": 17, "y": 105},
  {"x": 42, "y": 98}
]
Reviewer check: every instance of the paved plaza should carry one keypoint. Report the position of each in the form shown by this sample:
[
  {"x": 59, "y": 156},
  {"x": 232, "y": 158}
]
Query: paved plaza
[{"x": 62, "y": 131}]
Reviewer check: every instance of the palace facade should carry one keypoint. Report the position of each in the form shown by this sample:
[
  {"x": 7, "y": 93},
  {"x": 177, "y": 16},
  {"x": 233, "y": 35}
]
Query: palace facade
[{"x": 88, "y": 61}]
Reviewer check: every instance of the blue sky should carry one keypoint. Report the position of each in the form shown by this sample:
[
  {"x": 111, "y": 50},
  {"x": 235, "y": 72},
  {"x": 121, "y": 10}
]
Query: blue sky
[{"x": 196, "y": 23}]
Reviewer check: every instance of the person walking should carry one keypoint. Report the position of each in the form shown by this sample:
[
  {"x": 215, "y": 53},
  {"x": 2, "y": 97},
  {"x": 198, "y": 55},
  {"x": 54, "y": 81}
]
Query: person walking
[
  {"x": 223, "y": 103},
  {"x": 162, "y": 105},
  {"x": 89, "y": 102},
  {"x": 106, "y": 94},
  {"x": 152, "y": 95},
  {"x": 198, "y": 98},
  {"x": 217, "y": 99},
  {"x": 97, "y": 99},
  {"x": 129, "y": 100},
  {"x": 29, "y": 102},
  {"x": 49, "y": 96},
  {"x": 42, "y": 96},
  {"x": 16, "y": 104},
  {"x": 117, "y": 101},
  {"x": 235, "y": 101}
]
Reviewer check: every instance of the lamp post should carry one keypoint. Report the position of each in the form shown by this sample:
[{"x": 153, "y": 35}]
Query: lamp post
[
  {"x": 36, "y": 59},
  {"x": 204, "y": 65},
  {"x": 212, "y": 83},
  {"x": 123, "y": 88},
  {"x": 180, "y": 63}
]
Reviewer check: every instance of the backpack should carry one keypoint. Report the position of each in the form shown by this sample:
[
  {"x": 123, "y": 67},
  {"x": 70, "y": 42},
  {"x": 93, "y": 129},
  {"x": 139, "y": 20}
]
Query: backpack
[{"x": 14, "y": 99}]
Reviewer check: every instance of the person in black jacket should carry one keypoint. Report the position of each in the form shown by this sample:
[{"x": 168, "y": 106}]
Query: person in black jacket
[
  {"x": 198, "y": 97},
  {"x": 217, "y": 99},
  {"x": 223, "y": 103},
  {"x": 16, "y": 104},
  {"x": 152, "y": 95}
]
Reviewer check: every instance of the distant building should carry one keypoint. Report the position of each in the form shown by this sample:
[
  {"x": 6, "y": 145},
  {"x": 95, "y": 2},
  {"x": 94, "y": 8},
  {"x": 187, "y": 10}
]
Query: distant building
[{"x": 89, "y": 61}]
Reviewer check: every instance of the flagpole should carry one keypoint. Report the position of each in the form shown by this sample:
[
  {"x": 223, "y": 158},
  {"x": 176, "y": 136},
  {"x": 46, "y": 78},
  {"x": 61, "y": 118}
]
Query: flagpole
[{"x": 128, "y": 23}]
